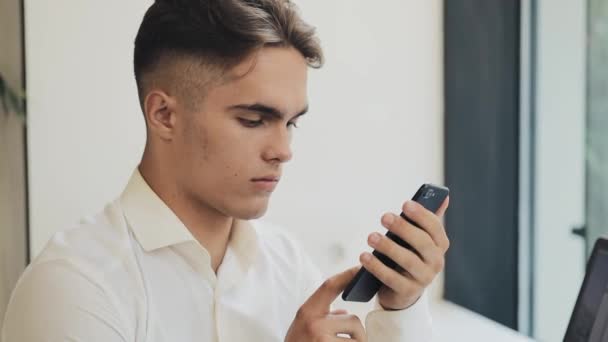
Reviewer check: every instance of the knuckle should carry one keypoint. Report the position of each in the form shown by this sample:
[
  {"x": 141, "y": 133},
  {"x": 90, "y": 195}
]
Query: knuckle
[
  {"x": 436, "y": 268},
  {"x": 446, "y": 244},
  {"x": 311, "y": 327},
  {"x": 356, "y": 321},
  {"x": 391, "y": 279},
  {"x": 427, "y": 278},
  {"x": 409, "y": 260},
  {"x": 301, "y": 313},
  {"x": 437, "y": 224},
  {"x": 403, "y": 232},
  {"x": 428, "y": 247},
  {"x": 439, "y": 265},
  {"x": 328, "y": 283},
  {"x": 429, "y": 243}
]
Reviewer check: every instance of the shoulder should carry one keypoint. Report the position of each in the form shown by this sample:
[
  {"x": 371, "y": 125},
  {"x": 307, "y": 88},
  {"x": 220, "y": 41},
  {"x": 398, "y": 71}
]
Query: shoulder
[
  {"x": 97, "y": 254},
  {"x": 98, "y": 242},
  {"x": 77, "y": 274},
  {"x": 68, "y": 296},
  {"x": 100, "y": 250}
]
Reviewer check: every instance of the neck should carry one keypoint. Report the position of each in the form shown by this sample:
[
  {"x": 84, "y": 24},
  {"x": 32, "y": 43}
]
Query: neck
[{"x": 208, "y": 226}]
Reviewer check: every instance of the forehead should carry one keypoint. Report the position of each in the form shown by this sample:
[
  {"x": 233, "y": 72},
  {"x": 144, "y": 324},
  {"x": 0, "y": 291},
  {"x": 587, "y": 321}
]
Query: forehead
[{"x": 273, "y": 76}]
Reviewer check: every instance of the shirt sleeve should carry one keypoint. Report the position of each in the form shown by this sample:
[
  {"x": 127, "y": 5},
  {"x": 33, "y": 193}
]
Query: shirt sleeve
[
  {"x": 54, "y": 302},
  {"x": 413, "y": 324}
]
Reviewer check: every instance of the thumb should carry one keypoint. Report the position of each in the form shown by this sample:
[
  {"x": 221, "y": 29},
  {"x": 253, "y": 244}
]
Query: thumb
[{"x": 320, "y": 301}]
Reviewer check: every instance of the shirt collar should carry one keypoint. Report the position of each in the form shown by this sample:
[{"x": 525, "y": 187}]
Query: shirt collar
[{"x": 156, "y": 226}]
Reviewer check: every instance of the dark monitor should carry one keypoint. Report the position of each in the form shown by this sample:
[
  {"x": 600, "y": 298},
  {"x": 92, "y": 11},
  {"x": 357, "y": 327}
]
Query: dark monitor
[{"x": 589, "y": 321}]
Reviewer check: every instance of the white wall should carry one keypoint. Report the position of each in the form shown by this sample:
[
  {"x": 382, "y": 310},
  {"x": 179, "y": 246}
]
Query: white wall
[
  {"x": 373, "y": 135},
  {"x": 86, "y": 132}
]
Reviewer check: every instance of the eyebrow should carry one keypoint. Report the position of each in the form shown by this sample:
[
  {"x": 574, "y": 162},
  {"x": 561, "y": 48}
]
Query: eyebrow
[{"x": 267, "y": 110}]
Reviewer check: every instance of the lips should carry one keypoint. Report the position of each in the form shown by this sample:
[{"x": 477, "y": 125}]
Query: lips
[
  {"x": 266, "y": 183},
  {"x": 266, "y": 179}
]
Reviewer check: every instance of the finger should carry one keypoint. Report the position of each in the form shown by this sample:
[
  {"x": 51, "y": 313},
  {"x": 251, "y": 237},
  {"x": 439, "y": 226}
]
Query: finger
[
  {"x": 389, "y": 277},
  {"x": 320, "y": 301},
  {"x": 420, "y": 240},
  {"x": 339, "y": 312},
  {"x": 346, "y": 324},
  {"x": 405, "y": 258},
  {"x": 444, "y": 207},
  {"x": 428, "y": 222}
]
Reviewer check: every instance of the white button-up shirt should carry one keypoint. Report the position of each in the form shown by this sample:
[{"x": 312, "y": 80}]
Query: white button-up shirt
[{"x": 135, "y": 273}]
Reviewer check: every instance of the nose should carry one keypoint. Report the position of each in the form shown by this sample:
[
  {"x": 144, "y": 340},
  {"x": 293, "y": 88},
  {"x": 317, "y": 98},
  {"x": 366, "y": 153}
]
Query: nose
[{"x": 278, "y": 148}]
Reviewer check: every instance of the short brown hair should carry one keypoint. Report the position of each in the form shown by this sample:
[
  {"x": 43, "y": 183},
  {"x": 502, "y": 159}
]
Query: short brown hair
[{"x": 218, "y": 34}]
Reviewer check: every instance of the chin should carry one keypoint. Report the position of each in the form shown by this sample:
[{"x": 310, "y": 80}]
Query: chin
[
  {"x": 250, "y": 211},
  {"x": 249, "y": 215}
]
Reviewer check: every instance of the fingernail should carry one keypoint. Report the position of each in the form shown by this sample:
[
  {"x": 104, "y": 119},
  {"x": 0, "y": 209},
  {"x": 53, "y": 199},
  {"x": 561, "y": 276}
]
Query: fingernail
[
  {"x": 366, "y": 257},
  {"x": 389, "y": 219},
  {"x": 410, "y": 206},
  {"x": 374, "y": 238}
]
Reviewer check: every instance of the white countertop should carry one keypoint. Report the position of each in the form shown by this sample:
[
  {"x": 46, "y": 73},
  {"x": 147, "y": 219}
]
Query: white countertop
[{"x": 455, "y": 323}]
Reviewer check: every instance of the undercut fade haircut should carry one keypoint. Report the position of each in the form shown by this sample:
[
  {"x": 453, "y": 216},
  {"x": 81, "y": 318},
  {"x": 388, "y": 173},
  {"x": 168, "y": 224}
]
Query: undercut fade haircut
[{"x": 177, "y": 37}]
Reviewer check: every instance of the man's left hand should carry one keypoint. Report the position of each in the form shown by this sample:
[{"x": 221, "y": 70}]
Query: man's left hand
[{"x": 414, "y": 273}]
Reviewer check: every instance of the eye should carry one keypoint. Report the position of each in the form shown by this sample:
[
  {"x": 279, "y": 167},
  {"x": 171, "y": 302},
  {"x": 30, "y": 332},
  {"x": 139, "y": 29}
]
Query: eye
[
  {"x": 292, "y": 124},
  {"x": 251, "y": 123}
]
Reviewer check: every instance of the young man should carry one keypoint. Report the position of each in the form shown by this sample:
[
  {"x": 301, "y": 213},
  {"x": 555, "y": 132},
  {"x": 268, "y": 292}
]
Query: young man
[{"x": 177, "y": 257}]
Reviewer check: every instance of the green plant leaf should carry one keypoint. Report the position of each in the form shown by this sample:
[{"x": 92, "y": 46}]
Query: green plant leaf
[
  {"x": 3, "y": 96},
  {"x": 10, "y": 99},
  {"x": 14, "y": 101}
]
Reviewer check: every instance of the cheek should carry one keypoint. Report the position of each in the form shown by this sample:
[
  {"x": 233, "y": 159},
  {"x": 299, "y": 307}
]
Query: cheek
[
  {"x": 234, "y": 161},
  {"x": 195, "y": 142},
  {"x": 221, "y": 157},
  {"x": 221, "y": 154}
]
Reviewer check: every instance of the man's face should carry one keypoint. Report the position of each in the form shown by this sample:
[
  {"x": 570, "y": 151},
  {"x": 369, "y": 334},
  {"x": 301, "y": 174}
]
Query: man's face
[{"x": 229, "y": 151}]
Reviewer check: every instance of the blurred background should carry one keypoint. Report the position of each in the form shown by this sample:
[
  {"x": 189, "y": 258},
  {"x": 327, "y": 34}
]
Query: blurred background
[{"x": 503, "y": 101}]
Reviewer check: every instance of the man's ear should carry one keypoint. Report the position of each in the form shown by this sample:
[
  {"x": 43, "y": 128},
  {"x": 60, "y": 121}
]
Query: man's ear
[{"x": 160, "y": 114}]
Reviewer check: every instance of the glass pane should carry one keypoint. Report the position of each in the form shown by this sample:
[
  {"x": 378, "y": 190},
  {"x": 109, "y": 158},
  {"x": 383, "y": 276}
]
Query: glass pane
[{"x": 597, "y": 122}]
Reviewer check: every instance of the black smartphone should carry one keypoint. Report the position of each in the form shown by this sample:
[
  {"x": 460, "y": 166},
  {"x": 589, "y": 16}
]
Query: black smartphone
[{"x": 365, "y": 285}]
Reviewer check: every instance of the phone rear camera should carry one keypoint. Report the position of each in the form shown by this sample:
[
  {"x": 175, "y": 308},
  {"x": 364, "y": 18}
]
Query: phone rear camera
[{"x": 430, "y": 193}]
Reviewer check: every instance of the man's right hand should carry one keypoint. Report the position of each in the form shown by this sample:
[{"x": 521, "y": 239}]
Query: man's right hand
[{"x": 315, "y": 323}]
